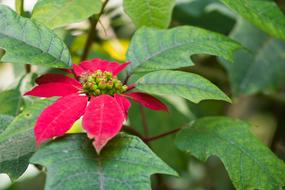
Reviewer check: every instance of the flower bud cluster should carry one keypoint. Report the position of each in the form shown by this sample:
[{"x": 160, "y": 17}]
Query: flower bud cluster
[{"x": 98, "y": 83}]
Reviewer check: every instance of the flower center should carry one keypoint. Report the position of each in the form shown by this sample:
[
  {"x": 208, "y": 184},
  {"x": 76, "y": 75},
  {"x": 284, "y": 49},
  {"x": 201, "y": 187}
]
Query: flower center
[{"x": 98, "y": 83}]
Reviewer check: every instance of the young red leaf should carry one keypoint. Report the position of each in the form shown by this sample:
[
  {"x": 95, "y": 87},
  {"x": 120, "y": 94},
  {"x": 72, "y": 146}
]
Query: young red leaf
[
  {"x": 147, "y": 101},
  {"x": 102, "y": 120},
  {"x": 57, "y": 119},
  {"x": 99, "y": 64},
  {"x": 131, "y": 86},
  {"x": 120, "y": 67},
  {"x": 124, "y": 103},
  {"x": 77, "y": 69},
  {"x": 51, "y": 78},
  {"x": 47, "y": 90}
]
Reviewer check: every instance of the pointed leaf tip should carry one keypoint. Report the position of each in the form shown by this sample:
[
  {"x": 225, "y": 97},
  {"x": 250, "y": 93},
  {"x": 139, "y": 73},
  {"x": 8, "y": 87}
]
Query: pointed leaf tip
[
  {"x": 147, "y": 101},
  {"x": 103, "y": 120},
  {"x": 125, "y": 163}
]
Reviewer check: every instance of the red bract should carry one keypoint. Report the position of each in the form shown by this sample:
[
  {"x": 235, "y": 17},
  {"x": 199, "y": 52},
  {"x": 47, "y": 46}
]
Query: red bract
[{"x": 94, "y": 94}]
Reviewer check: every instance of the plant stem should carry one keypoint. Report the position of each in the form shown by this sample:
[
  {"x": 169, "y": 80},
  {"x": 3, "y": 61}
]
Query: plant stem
[
  {"x": 162, "y": 135},
  {"x": 133, "y": 131},
  {"x": 144, "y": 121},
  {"x": 92, "y": 30},
  {"x": 19, "y": 4},
  {"x": 28, "y": 68},
  {"x": 126, "y": 79}
]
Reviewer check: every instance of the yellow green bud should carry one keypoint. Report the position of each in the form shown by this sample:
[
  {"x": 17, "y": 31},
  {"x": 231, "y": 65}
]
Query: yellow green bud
[
  {"x": 124, "y": 88},
  {"x": 97, "y": 92},
  {"x": 110, "y": 84},
  {"x": 102, "y": 85}
]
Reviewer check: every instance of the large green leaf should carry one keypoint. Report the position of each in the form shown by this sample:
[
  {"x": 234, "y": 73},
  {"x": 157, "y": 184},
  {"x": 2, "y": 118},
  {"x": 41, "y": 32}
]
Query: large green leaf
[
  {"x": 265, "y": 14},
  {"x": 188, "y": 85},
  {"x": 250, "y": 164},
  {"x": 5, "y": 120},
  {"x": 28, "y": 42},
  {"x": 17, "y": 142},
  {"x": 11, "y": 102},
  {"x": 151, "y": 13},
  {"x": 125, "y": 163},
  {"x": 56, "y": 13},
  {"x": 260, "y": 69},
  {"x": 153, "y": 49}
]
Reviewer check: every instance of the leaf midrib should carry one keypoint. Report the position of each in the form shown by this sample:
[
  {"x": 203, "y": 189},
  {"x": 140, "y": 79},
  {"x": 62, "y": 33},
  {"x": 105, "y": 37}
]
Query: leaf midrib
[
  {"x": 175, "y": 85},
  {"x": 162, "y": 51}
]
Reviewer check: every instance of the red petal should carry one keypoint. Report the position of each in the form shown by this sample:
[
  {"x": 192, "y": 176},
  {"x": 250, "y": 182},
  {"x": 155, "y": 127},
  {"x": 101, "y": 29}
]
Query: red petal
[
  {"x": 102, "y": 120},
  {"x": 120, "y": 68},
  {"x": 131, "y": 86},
  {"x": 50, "y": 78},
  {"x": 147, "y": 101},
  {"x": 124, "y": 103},
  {"x": 103, "y": 65},
  {"x": 67, "y": 70},
  {"x": 77, "y": 69},
  {"x": 57, "y": 119},
  {"x": 47, "y": 90}
]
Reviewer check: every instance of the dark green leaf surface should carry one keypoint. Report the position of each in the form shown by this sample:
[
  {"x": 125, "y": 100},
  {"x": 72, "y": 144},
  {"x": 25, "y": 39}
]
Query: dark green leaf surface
[
  {"x": 153, "y": 49},
  {"x": 56, "y": 13},
  {"x": 17, "y": 142},
  {"x": 11, "y": 102},
  {"x": 159, "y": 122},
  {"x": 208, "y": 14},
  {"x": 260, "y": 69},
  {"x": 28, "y": 42},
  {"x": 151, "y": 13},
  {"x": 5, "y": 120},
  {"x": 250, "y": 164},
  {"x": 265, "y": 14},
  {"x": 187, "y": 85},
  {"x": 125, "y": 163}
]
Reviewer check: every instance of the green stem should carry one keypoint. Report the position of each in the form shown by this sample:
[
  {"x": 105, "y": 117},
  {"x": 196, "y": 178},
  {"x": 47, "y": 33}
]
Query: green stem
[
  {"x": 94, "y": 21},
  {"x": 20, "y": 7},
  {"x": 19, "y": 4}
]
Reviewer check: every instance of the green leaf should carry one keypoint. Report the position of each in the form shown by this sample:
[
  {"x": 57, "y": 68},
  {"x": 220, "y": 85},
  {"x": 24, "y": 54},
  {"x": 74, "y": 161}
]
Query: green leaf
[
  {"x": 17, "y": 142},
  {"x": 11, "y": 102},
  {"x": 151, "y": 13},
  {"x": 262, "y": 67},
  {"x": 28, "y": 42},
  {"x": 187, "y": 85},
  {"x": 265, "y": 14},
  {"x": 125, "y": 163},
  {"x": 153, "y": 49},
  {"x": 56, "y": 13},
  {"x": 159, "y": 122},
  {"x": 5, "y": 120},
  {"x": 250, "y": 164}
]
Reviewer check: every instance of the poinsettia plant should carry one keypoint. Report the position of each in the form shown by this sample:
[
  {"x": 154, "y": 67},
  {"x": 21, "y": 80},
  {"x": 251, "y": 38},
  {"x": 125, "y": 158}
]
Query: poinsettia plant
[
  {"x": 96, "y": 94},
  {"x": 101, "y": 95}
]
